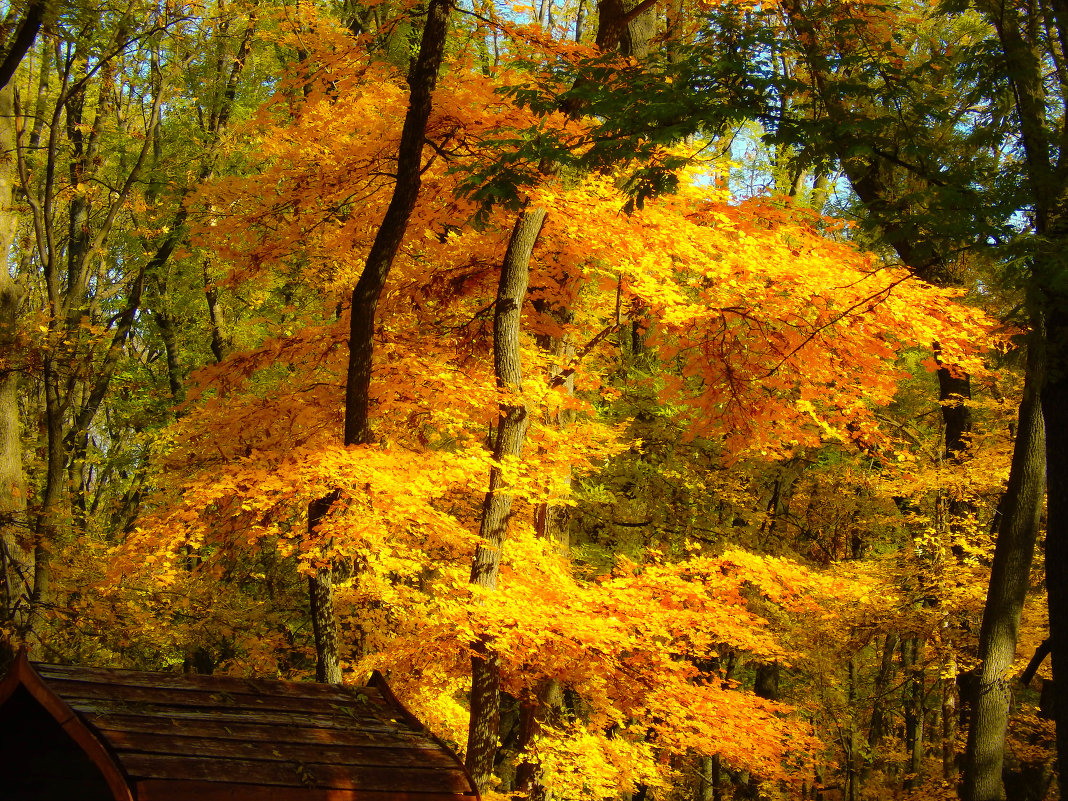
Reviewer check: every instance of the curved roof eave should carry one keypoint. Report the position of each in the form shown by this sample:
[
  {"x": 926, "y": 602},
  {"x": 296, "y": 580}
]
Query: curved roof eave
[{"x": 22, "y": 674}]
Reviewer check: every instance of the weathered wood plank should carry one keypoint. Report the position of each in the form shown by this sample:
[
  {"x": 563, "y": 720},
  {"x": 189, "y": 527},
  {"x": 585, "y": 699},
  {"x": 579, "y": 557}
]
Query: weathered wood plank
[
  {"x": 212, "y": 791},
  {"x": 426, "y": 755},
  {"x": 358, "y": 706},
  {"x": 295, "y": 774},
  {"x": 182, "y": 681},
  {"x": 254, "y": 731},
  {"x": 311, "y": 719}
]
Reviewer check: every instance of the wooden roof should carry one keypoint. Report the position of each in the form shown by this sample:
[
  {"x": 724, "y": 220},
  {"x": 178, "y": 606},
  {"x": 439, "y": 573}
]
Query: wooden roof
[{"x": 159, "y": 736}]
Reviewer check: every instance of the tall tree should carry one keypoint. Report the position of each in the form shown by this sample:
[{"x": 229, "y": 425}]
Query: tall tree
[
  {"x": 903, "y": 176},
  {"x": 628, "y": 26},
  {"x": 365, "y": 297},
  {"x": 1033, "y": 37}
]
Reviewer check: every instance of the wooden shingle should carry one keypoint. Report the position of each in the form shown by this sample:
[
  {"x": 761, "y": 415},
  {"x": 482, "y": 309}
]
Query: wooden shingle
[{"x": 139, "y": 736}]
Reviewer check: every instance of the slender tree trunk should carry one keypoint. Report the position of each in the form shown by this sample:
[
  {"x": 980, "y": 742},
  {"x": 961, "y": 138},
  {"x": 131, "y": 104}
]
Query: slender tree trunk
[
  {"x": 221, "y": 340},
  {"x": 69, "y": 410},
  {"x": 629, "y": 26},
  {"x": 511, "y": 433},
  {"x": 51, "y": 516},
  {"x": 166, "y": 322},
  {"x": 954, "y": 396},
  {"x": 912, "y": 667},
  {"x": 421, "y": 80},
  {"x": 390, "y": 234},
  {"x": 950, "y": 718},
  {"x": 880, "y": 690},
  {"x": 1009, "y": 580},
  {"x": 851, "y": 777}
]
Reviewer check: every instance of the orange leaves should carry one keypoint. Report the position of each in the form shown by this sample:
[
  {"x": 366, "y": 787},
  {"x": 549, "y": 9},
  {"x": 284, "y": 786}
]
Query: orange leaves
[
  {"x": 629, "y": 645},
  {"x": 761, "y": 333},
  {"x": 755, "y": 307}
]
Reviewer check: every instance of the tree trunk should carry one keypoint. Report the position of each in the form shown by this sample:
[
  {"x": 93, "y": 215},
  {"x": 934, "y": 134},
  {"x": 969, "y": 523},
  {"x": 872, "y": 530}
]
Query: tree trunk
[
  {"x": 368, "y": 289},
  {"x": 950, "y": 701},
  {"x": 15, "y": 49},
  {"x": 69, "y": 409},
  {"x": 321, "y": 597},
  {"x": 221, "y": 340},
  {"x": 421, "y": 80},
  {"x": 710, "y": 786},
  {"x": 629, "y": 26},
  {"x": 1009, "y": 580},
  {"x": 954, "y": 392},
  {"x": 511, "y": 433},
  {"x": 534, "y": 714},
  {"x": 912, "y": 666},
  {"x": 165, "y": 322},
  {"x": 880, "y": 690}
]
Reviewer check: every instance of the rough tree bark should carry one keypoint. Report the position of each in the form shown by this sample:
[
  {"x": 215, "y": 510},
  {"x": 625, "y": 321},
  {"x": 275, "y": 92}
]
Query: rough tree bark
[
  {"x": 508, "y": 446},
  {"x": 620, "y": 24},
  {"x": 1046, "y": 173},
  {"x": 1009, "y": 580}
]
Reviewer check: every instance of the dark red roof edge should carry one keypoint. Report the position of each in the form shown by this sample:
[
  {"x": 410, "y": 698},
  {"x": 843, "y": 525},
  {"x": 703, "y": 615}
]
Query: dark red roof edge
[
  {"x": 22, "y": 674},
  {"x": 378, "y": 681}
]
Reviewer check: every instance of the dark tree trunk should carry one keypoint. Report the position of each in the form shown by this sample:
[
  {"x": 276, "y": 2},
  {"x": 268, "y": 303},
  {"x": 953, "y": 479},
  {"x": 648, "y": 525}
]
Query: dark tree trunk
[
  {"x": 22, "y": 39},
  {"x": 1041, "y": 131},
  {"x": 533, "y": 715},
  {"x": 1009, "y": 580},
  {"x": 421, "y": 81},
  {"x": 954, "y": 392},
  {"x": 221, "y": 341},
  {"x": 912, "y": 666},
  {"x": 165, "y": 322},
  {"x": 880, "y": 690},
  {"x": 368, "y": 289}
]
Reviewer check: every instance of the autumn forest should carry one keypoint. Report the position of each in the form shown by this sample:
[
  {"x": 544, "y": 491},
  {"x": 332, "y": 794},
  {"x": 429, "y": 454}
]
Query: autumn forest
[{"x": 669, "y": 396}]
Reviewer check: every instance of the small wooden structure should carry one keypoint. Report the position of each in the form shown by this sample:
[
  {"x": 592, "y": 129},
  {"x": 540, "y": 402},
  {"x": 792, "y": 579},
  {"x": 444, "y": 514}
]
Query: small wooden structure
[{"x": 71, "y": 733}]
